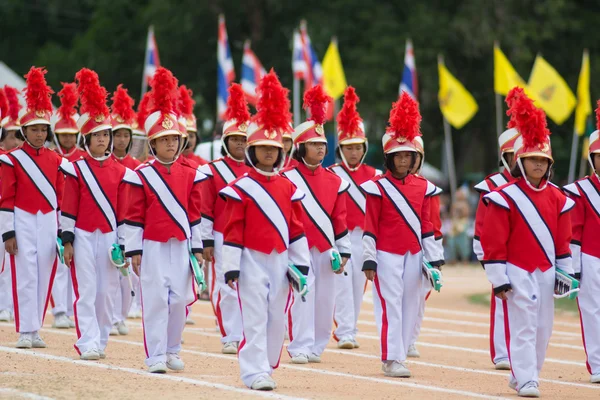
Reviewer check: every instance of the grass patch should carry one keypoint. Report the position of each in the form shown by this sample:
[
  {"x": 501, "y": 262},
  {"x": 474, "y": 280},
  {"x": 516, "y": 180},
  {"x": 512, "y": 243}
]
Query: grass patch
[{"x": 483, "y": 299}]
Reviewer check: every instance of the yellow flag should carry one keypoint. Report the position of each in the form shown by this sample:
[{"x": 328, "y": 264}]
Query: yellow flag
[
  {"x": 334, "y": 79},
  {"x": 550, "y": 91},
  {"x": 584, "y": 104},
  {"x": 456, "y": 103},
  {"x": 505, "y": 76}
]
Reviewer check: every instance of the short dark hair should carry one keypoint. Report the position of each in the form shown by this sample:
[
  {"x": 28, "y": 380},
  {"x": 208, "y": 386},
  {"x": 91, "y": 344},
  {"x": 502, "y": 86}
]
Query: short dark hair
[
  {"x": 389, "y": 161},
  {"x": 338, "y": 150},
  {"x": 503, "y": 156},
  {"x": 251, "y": 157},
  {"x": 516, "y": 171},
  {"x": 301, "y": 152},
  {"x": 88, "y": 139},
  {"x": 225, "y": 144},
  {"x": 21, "y": 134}
]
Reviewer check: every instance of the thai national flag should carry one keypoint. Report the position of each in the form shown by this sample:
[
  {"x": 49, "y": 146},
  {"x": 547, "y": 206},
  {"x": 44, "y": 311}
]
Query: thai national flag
[
  {"x": 151, "y": 62},
  {"x": 305, "y": 62},
  {"x": 409, "y": 75},
  {"x": 252, "y": 72},
  {"x": 225, "y": 72}
]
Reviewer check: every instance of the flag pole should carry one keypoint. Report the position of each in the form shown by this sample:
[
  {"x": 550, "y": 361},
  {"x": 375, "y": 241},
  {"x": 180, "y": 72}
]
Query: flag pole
[
  {"x": 336, "y": 110},
  {"x": 499, "y": 122},
  {"x": 574, "y": 148},
  {"x": 583, "y": 164},
  {"x": 296, "y": 101},
  {"x": 144, "y": 80},
  {"x": 449, "y": 149}
]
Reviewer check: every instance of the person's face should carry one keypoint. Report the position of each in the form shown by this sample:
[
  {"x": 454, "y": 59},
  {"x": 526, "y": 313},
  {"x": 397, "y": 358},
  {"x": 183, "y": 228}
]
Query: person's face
[
  {"x": 236, "y": 146},
  {"x": 353, "y": 153},
  {"x": 402, "y": 160},
  {"x": 535, "y": 167},
  {"x": 121, "y": 139},
  {"x": 192, "y": 140},
  {"x": 10, "y": 141},
  {"x": 417, "y": 163},
  {"x": 99, "y": 142},
  {"x": 166, "y": 147},
  {"x": 315, "y": 152},
  {"x": 287, "y": 145},
  {"x": 36, "y": 134},
  {"x": 67, "y": 140},
  {"x": 266, "y": 155}
]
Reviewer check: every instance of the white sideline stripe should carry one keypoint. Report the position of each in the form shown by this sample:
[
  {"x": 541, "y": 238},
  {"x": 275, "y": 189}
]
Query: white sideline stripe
[
  {"x": 143, "y": 373},
  {"x": 26, "y": 395}
]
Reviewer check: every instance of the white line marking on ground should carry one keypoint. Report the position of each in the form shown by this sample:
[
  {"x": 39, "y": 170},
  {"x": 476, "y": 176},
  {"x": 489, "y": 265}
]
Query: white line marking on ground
[{"x": 26, "y": 395}]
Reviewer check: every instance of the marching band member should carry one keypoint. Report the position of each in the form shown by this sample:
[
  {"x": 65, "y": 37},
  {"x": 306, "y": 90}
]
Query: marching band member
[
  {"x": 32, "y": 185},
  {"x": 309, "y": 323},
  {"x": 263, "y": 234},
  {"x": 288, "y": 143},
  {"x": 585, "y": 249},
  {"x": 352, "y": 149},
  {"x": 398, "y": 206},
  {"x": 220, "y": 173},
  {"x": 162, "y": 225},
  {"x": 186, "y": 105},
  {"x": 526, "y": 235}
]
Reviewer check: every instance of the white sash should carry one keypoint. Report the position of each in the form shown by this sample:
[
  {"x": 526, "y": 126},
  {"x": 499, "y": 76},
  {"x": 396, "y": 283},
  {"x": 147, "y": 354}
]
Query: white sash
[
  {"x": 267, "y": 204},
  {"x": 167, "y": 199},
  {"x": 592, "y": 194},
  {"x": 534, "y": 220},
  {"x": 101, "y": 200},
  {"x": 36, "y": 175},
  {"x": 354, "y": 191},
  {"x": 402, "y": 207},
  {"x": 224, "y": 170},
  {"x": 312, "y": 206},
  {"x": 499, "y": 179}
]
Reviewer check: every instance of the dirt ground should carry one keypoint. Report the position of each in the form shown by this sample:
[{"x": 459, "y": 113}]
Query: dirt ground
[{"x": 454, "y": 363}]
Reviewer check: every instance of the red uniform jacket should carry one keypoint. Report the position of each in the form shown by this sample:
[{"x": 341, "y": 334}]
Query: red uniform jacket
[
  {"x": 290, "y": 162},
  {"x": 527, "y": 228},
  {"x": 220, "y": 173},
  {"x": 398, "y": 218},
  {"x": 75, "y": 154},
  {"x": 195, "y": 159},
  {"x": 31, "y": 181},
  {"x": 165, "y": 206},
  {"x": 128, "y": 161},
  {"x": 265, "y": 214},
  {"x": 324, "y": 207},
  {"x": 585, "y": 218}
]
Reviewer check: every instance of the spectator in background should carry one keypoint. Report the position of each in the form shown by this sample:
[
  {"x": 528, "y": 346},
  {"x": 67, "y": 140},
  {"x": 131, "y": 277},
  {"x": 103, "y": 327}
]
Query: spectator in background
[{"x": 459, "y": 229}]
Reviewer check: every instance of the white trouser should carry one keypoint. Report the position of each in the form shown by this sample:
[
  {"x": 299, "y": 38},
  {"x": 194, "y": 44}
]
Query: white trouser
[
  {"x": 33, "y": 267},
  {"x": 123, "y": 298},
  {"x": 225, "y": 299},
  {"x": 529, "y": 313},
  {"x": 396, "y": 290},
  {"x": 264, "y": 292},
  {"x": 310, "y": 322},
  {"x": 95, "y": 281},
  {"x": 166, "y": 290},
  {"x": 350, "y": 290},
  {"x": 62, "y": 291},
  {"x": 424, "y": 295},
  {"x": 6, "y": 294},
  {"x": 498, "y": 350},
  {"x": 589, "y": 309},
  {"x": 136, "y": 303}
]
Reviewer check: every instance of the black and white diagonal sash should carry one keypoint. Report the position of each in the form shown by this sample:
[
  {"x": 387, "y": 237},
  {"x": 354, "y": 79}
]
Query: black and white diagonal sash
[
  {"x": 168, "y": 200},
  {"x": 97, "y": 193},
  {"x": 591, "y": 193},
  {"x": 267, "y": 205},
  {"x": 224, "y": 171},
  {"x": 402, "y": 206},
  {"x": 534, "y": 220},
  {"x": 354, "y": 191},
  {"x": 39, "y": 180},
  {"x": 498, "y": 179}
]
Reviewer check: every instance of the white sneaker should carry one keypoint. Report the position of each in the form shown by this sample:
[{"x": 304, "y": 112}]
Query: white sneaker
[
  {"x": 114, "y": 331},
  {"x": 413, "y": 352},
  {"x": 102, "y": 354},
  {"x": 37, "y": 342},
  {"x": 395, "y": 369},
  {"x": 25, "y": 341},
  {"x": 90, "y": 355},
  {"x": 61, "y": 321},
  {"x": 314, "y": 358},
  {"x": 134, "y": 313},
  {"x": 158, "y": 368},
  {"x": 174, "y": 362},
  {"x": 300, "y": 359},
  {"x": 122, "y": 328},
  {"x": 503, "y": 365},
  {"x": 530, "y": 389},
  {"x": 189, "y": 321},
  {"x": 5, "y": 315},
  {"x": 345, "y": 344},
  {"x": 595, "y": 378},
  {"x": 263, "y": 383},
  {"x": 71, "y": 323},
  {"x": 230, "y": 348},
  {"x": 355, "y": 343}
]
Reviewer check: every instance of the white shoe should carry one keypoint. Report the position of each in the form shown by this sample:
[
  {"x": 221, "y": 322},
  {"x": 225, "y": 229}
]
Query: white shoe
[
  {"x": 189, "y": 321},
  {"x": 314, "y": 358},
  {"x": 530, "y": 389},
  {"x": 122, "y": 328},
  {"x": 37, "y": 342},
  {"x": 5, "y": 316},
  {"x": 502, "y": 365},
  {"x": 512, "y": 384},
  {"x": 90, "y": 355},
  {"x": 134, "y": 314},
  {"x": 174, "y": 362},
  {"x": 355, "y": 343},
  {"x": 71, "y": 323},
  {"x": 595, "y": 378},
  {"x": 395, "y": 369},
  {"x": 300, "y": 359},
  {"x": 345, "y": 344},
  {"x": 24, "y": 342},
  {"x": 263, "y": 383},
  {"x": 158, "y": 368},
  {"x": 413, "y": 352},
  {"x": 102, "y": 354},
  {"x": 61, "y": 321},
  {"x": 230, "y": 348},
  {"x": 114, "y": 331}
]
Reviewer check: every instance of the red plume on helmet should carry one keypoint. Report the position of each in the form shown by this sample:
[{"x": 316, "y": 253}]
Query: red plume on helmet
[
  {"x": 348, "y": 118},
  {"x": 597, "y": 115},
  {"x": 237, "y": 108},
  {"x": 3, "y": 105},
  {"x": 405, "y": 119},
  {"x": 186, "y": 102},
  {"x": 511, "y": 97},
  {"x": 164, "y": 91},
  {"x": 68, "y": 100},
  {"x": 91, "y": 95},
  {"x": 316, "y": 101},
  {"x": 273, "y": 105},
  {"x": 143, "y": 110},
  {"x": 12, "y": 97},
  {"x": 122, "y": 106},
  {"x": 37, "y": 93},
  {"x": 529, "y": 120}
]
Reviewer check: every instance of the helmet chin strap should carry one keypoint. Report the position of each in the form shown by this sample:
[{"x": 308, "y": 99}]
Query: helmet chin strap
[
  {"x": 104, "y": 157},
  {"x": 224, "y": 145},
  {"x": 27, "y": 140},
  {"x": 266, "y": 173},
  {"x": 179, "y": 150},
  {"x": 359, "y": 163},
  {"x": 520, "y": 164}
]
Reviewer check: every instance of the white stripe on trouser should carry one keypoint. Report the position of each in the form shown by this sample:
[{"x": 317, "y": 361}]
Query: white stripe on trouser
[
  {"x": 499, "y": 351},
  {"x": 6, "y": 297},
  {"x": 95, "y": 280},
  {"x": 34, "y": 265},
  {"x": 225, "y": 300},
  {"x": 312, "y": 320},
  {"x": 123, "y": 298},
  {"x": 263, "y": 292},
  {"x": 166, "y": 290},
  {"x": 589, "y": 308},
  {"x": 62, "y": 291},
  {"x": 350, "y": 290},
  {"x": 398, "y": 285},
  {"x": 530, "y": 312}
]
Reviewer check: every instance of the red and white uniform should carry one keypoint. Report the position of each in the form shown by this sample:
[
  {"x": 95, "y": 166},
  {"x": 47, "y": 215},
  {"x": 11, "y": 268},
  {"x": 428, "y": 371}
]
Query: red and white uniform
[
  {"x": 32, "y": 185},
  {"x": 220, "y": 173},
  {"x": 264, "y": 232},
  {"x": 6, "y": 301},
  {"x": 398, "y": 208},
  {"x": 498, "y": 350},
  {"x": 162, "y": 219},
  {"x": 93, "y": 211},
  {"x": 585, "y": 250},
  {"x": 526, "y": 235},
  {"x": 128, "y": 161},
  {"x": 195, "y": 159},
  {"x": 350, "y": 288},
  {"x": 326, "y": 229},
  {"x": 74, "y": 155}
]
